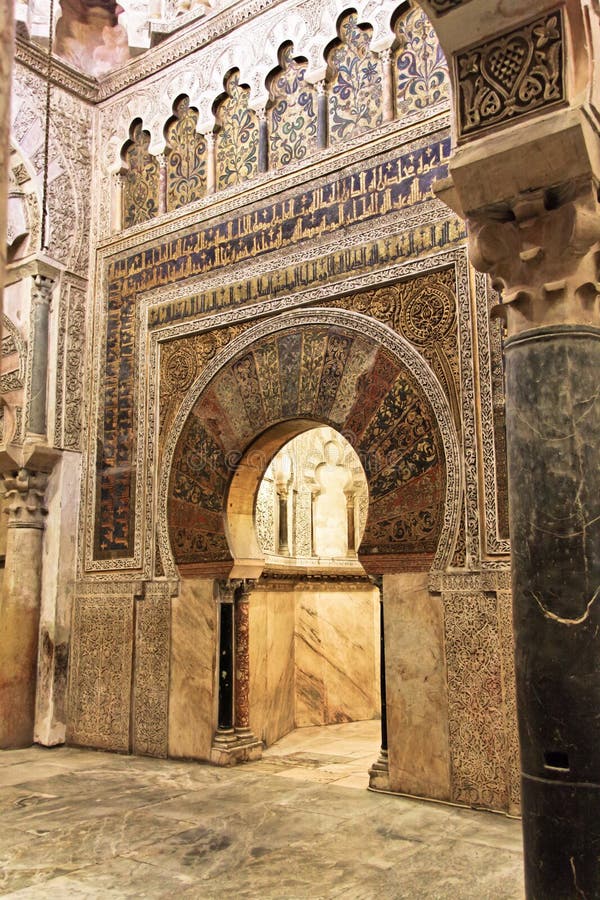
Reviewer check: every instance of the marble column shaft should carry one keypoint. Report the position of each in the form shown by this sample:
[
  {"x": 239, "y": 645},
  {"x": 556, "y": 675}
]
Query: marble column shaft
[
  {"x": 242, "y": 660},
  {"x": 322, "y": 115},
  {"x": 20, "y": 606},
  {"x": 41, "y": 296}
]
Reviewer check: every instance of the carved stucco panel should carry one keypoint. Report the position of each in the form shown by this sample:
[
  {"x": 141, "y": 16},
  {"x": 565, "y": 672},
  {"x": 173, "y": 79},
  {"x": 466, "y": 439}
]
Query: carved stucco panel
[
  {"x": 151, "y": 671},
  {"x": 476, "y": 718},
  {"x": 100, "y": 669}
]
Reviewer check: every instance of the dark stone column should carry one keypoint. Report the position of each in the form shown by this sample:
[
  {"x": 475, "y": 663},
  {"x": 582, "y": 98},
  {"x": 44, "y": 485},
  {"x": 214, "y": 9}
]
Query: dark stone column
[
  {"x": 225, "y": 734},
  {"x": 553, "y": 431}
]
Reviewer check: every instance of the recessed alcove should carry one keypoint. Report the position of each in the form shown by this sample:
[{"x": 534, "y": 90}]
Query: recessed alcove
[{"x": 314, "y": 616}]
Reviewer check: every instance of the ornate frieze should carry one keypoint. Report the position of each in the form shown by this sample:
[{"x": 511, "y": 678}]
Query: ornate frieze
[
  {"x": 513, "y": 75},
  {"x": 70, "y": 365}
]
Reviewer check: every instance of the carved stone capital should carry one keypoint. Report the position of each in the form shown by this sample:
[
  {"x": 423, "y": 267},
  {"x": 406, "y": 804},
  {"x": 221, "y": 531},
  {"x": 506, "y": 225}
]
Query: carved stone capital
[
  {"x": 247, "y": 585},
  {"x": 23, "y": 496},
  {"x": 227, "y": 589},
  {"x": 543, "y": 253},
  {"x": 41, "y": 290}
]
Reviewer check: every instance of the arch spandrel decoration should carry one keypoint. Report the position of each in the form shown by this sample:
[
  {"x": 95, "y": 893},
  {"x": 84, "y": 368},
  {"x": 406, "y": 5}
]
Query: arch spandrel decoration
[{"x": 335, "y": 368}]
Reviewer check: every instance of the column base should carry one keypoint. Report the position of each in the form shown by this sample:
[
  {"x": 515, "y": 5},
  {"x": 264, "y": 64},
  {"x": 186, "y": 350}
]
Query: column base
[
  {"x": 232, "y": 753},
  {"x": 379, "y": 773}
]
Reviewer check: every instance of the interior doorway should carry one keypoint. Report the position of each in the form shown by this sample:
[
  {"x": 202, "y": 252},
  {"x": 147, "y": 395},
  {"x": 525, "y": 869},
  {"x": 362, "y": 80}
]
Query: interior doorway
[{"x": 314, "y": 616}]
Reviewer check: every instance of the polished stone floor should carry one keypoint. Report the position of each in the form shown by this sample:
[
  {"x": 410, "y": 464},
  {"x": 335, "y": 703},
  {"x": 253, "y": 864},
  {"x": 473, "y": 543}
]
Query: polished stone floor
[{"x": 297, "y": 825}]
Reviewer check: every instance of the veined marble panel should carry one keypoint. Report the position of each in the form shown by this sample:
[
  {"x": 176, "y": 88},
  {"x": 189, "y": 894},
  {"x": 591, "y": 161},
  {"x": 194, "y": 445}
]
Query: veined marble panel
[
  {"x": 417, "y": 702},
  {"x": 337, "y": 656},
  {"x": 192, "y": 683},
  {"x": 272, "y": 620}
]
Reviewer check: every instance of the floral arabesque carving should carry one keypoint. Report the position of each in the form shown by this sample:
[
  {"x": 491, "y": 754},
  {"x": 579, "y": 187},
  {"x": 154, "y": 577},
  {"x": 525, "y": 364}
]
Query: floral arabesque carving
[
  {"x": 293, "y": 114},
  {"x": 516, "y": 73},
  {"x": 355, "y": 82},
  {"x": 236, "y": 143},
  {"x": 421, "y": 69},
  {"x": 141, "y": 180},
  {"x": 186, "y": 159}
]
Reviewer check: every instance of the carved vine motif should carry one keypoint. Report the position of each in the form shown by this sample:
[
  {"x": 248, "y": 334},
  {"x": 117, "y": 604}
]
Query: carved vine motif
[
  {"x": 141, "y": 180},
  {"x": 421, "y": 69},
  {"x": 512, "y": 75},
  {"x": 236, "y": 144},
  {"x": 186, "y": 159},
  {"x": 475, "y": 706},
  {"x": 100, "y": 671},
  {"x": 151, "y": 671},
  {"x": 293, "y": 116},
  {"x": 70, "y": 367},
  {"x": 355, "y": 82}
]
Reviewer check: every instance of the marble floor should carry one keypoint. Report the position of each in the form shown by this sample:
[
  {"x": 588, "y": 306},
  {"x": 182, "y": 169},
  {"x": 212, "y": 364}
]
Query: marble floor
[{"x": 297, "y": 825}]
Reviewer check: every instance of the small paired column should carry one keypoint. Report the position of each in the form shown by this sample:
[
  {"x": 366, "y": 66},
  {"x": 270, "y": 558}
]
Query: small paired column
[
  {"x": 162, "y": 183},
  {"x": 283, "y": 547},
  {"x": 388, "y": 85},
  {"x": 23, "y": 494},
  {"x": 263, "y": 141},
  {"x": 351, "y": 517},
  {"x": 322, "y": 115},
  {"x": 379, "y": 775},
  {"x": 234, "y": 741},
  {"x": 211, "y": 174}
]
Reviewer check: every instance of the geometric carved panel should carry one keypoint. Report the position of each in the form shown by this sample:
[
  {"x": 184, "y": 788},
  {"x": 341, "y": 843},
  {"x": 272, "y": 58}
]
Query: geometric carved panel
[
  {"x": 477, "y": 724},
  {"x": 151, "y": 671},
  {"x": 100, "y": 671},
  {"x": 512, "y": 75}
]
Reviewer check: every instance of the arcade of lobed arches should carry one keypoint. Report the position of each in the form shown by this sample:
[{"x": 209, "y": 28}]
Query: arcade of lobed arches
[{"x": 361, "y": 90}]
